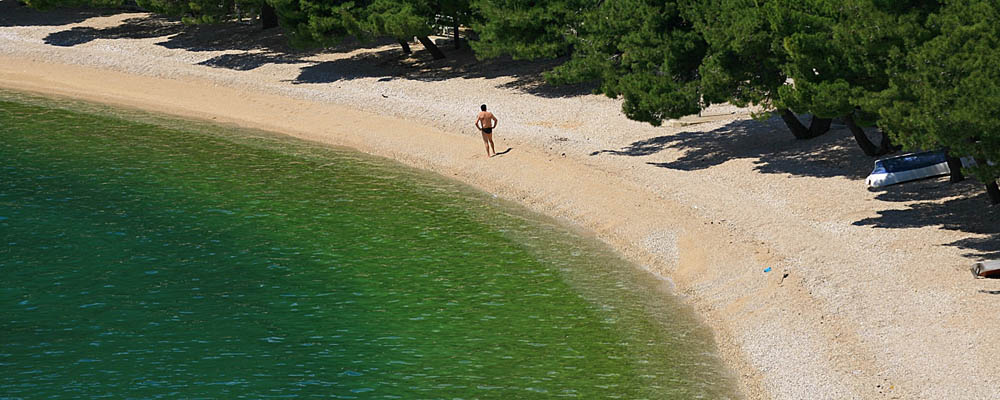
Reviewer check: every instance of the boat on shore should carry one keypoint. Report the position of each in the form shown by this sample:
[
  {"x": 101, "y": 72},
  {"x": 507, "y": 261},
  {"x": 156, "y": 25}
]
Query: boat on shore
[{"x": 911, "y": 167}]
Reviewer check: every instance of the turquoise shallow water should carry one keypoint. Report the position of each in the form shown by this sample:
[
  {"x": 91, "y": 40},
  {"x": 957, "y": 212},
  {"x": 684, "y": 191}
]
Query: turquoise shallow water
[{"x": 148, "y": 257}]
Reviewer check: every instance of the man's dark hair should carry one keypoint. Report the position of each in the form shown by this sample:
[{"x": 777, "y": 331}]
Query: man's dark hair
[{"x": 483, "y": 107}]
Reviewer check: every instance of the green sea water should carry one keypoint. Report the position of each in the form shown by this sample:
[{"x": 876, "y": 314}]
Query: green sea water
[{"x": 145, "y": 257}]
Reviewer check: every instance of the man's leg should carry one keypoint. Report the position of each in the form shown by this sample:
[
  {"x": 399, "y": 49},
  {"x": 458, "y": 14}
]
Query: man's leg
[
  {"x": 491, "y": 145},
  {"x": 486, "y": 141}
]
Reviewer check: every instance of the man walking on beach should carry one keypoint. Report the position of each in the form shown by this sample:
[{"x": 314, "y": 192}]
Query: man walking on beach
[{"x": 485, "y": 122}]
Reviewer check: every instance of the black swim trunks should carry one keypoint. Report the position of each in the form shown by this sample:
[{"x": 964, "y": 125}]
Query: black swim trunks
[{"x": 488, "y": 130}]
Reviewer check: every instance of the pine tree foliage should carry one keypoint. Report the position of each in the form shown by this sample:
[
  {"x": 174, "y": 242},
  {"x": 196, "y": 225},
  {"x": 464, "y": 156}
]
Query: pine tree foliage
[
  {"x": 947, "y": 91},
  {"x": 400, "y": 19},
  {"x": 321, "y": 23},
  {"x": 839, "y": 54},
  {"x": 527, "y": 30},
  {"x": 202, "y": 11},
  {"x": 745, "y": 58},
  {"x": 641, "y": 50},
  {"x": 405, "y": 19},
  {"x": 841, "y": 61}
]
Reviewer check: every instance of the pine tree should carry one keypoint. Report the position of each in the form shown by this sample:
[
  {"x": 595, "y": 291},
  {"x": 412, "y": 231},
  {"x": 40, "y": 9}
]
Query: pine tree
[
  {"x": 946, "y": 93},
  {"x": 405, "y": 19},
  {"x": 643, "y": 51},
  {"x": 322, "y": 23},
  {"x": 839, "y": 57},
  {"x": 527, "y": 30},
  {"x": 746, "y": 55}
]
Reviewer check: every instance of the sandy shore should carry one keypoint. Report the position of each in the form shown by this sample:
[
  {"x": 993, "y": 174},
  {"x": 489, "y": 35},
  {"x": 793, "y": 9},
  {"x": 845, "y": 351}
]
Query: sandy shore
[{"x": 869, "y": 293}]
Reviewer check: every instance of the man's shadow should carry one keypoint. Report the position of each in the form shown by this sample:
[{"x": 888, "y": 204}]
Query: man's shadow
[{"x": 504, "y": 152}]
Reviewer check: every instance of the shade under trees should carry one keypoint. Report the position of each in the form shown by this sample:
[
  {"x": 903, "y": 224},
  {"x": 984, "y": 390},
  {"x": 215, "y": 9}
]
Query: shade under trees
[
  {"x": 321, "y": 23},
  {"x": 313, "y": 23},
  {"x": 406, "y": 19}
]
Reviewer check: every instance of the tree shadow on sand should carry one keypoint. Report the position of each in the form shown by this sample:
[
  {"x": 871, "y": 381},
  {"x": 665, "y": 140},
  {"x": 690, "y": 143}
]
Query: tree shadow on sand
[
  {"x": 961, "y": 207},
  {"x": 255, "y": 47},
  {"x": 767, "y": 142},
  {"x": 250, "y": 48},
  {"x": 132, "y": 28},
  {"x": 389, "y": 62}
]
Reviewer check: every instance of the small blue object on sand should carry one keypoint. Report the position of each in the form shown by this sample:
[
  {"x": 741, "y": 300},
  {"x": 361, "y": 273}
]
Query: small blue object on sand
[{"x": 768, "y": 269}]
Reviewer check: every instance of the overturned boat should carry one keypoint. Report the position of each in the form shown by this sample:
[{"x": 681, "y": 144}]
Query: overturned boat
[
  {"x": 986, "y": 269},
  {"x": 910, "y": 167}
]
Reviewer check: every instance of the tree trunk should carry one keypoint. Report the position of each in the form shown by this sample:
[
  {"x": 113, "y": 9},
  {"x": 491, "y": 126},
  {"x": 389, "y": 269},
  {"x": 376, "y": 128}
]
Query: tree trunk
[
  {"x": 955, "y": 165},
  {"x": 458, "y": 44},
  {"x": 859, "y": 136},
  {"x": 887, "y": 145},
  {"x": 993, "y": 192},
  {"x": 817, "y": 126},
  {"x": 431, "y": 47},
  {"x": 405, "y": 46},
  {"x": 268, "y": 17},
  {"x": 793, "y": 123},
  {"x": 991, "y": 185}
]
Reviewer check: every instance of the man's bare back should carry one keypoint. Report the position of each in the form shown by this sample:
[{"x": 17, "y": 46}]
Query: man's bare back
[{"x": 485, "y": 120}]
